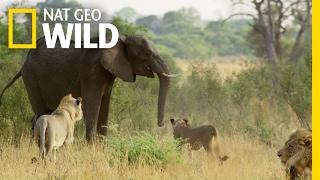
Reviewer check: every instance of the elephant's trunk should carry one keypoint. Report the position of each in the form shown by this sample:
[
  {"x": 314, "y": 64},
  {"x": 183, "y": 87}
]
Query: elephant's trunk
[
  {"x": 163, "y": 91},
  {"x": 161, "y": 69}
]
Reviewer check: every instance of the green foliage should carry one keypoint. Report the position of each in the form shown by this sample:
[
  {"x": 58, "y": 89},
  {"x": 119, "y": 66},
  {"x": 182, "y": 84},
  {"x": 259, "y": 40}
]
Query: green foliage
[
  {"x": 152, "y": 22},
  {"x": 228, "y": 38},
  {"x": 127, "y": 108},
  {"x": 210, "y": 93},
  {"x": 15, "y": 111},
  {"x": 183, "y": 21},
  {"x": 188, "y": 16},
  {"x": 248, "y": 101},
  {"x": 186, "y": 46},
  {"x": 19, "y": 37},
  {"x": 127, "y": 28},
  {"x": 241, "y": 89},
  {"x": 188, "y": 37},
  {"x": 127, "y": 13},
  {"x": 296, "y": 88},
  {"x": 257, "y": 101},
  {"x": 144, "y": 148}
]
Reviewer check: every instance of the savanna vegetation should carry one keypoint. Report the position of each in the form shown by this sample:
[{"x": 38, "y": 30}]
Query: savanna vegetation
[{"x": 254, "y": 106}]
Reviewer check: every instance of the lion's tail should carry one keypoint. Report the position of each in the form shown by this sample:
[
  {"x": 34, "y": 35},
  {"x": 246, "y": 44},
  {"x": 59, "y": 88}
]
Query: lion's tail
[
  {"x": 34, "y": 121},
  {"x": 43, "y": 129},
  {"x": 216, "y": 146},
  {"x": 34, "y": 131}
]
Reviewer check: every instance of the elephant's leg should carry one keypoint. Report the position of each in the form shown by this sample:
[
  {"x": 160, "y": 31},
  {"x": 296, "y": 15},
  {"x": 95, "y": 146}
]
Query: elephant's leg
[
  {"x": 39, "y": 106},
  {"x": 104, "y": 112},
  {"x": 91, "y": 108}
]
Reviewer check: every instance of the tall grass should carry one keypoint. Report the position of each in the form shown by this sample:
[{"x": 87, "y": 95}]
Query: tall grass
[
  {"x": 254, "y": 110},
  {"x": 249, "y": 159}
]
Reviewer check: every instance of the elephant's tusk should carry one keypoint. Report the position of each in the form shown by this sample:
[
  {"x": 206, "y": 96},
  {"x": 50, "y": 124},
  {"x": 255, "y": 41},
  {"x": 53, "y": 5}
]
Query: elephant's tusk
[{"x": 170, "y": 75}]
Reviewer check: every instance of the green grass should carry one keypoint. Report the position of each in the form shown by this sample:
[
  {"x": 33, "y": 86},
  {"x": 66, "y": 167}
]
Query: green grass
[{"x": 144, "y": 147}]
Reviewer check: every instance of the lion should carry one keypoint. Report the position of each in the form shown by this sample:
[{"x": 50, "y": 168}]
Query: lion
[
  {"x": 54, "y": 130},
  {"x": 296, "y": 154},
  {"x": 203, "y": 136}
]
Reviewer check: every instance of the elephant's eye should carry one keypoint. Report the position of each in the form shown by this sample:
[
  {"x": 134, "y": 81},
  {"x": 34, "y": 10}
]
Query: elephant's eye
[{"x": 148, "y": 53}]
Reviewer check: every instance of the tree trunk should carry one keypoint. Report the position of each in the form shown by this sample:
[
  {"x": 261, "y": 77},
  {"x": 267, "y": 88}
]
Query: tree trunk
[
  {"x": 267, "y": 34},
  {"x": 295, "y": 51},
  {"x": 270, "y": 49},
  {"x": 305, "y": 24}
]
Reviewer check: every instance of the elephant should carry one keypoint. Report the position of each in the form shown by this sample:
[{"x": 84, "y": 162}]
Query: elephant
[{"x": 51, "y": 73}]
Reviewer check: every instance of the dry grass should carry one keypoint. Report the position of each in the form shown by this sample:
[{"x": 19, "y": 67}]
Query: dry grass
[
  {"x": 249, "y": 159},
  {"x": 225, "y": 66}
]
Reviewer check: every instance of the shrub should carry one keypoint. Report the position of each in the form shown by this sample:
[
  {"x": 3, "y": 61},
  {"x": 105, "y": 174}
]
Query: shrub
[
  {"x": 144, "y": 147},
  {"x": 295, "y": 83}
]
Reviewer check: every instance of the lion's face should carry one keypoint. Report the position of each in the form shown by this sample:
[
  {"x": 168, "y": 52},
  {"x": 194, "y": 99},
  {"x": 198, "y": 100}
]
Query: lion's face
[
  {"x": 74, "y": 106},
  {"x": 298, "y": 141},
  {"x": 179, "y": 123}
]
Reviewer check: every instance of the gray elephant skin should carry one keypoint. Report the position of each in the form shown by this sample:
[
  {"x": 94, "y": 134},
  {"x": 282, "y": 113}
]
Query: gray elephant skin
[{"x": 50, "y": 74}]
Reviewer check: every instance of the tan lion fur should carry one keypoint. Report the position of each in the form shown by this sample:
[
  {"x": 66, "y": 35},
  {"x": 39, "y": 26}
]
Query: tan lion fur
[
  {"x": 54, "y": 130},
  {"x": 203, "y": 136},
  {"x": 296, "y": 154}
]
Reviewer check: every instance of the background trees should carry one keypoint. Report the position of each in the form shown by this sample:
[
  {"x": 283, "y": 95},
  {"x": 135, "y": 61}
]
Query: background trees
[
  {"x": 271, "y": 93},
  {"x": 189, "y": 37},
  {"x": 272, "y": 19}
]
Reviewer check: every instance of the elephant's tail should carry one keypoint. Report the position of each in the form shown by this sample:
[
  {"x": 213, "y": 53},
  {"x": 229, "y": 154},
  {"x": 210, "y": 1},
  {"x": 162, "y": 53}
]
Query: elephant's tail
[{"x": 17, "y": 76}]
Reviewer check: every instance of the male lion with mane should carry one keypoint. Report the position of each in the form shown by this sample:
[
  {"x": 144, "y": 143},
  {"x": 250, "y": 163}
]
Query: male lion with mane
[
  {"x": 296, "y": 154},
  {"x": 203, "y": 136},
  {"x": 54, "y": 130}
]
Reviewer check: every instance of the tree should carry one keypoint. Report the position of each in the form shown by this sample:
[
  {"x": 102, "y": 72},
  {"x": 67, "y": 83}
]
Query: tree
[
  {"x": 127, "y": 13},
  {"x": 270, "y": 20},
  {"x": 152, "y": 22},
  {"x": 127, "y": 28},
  {"x": 302, "y": 15},
  {"x": 228, "y": 38}
]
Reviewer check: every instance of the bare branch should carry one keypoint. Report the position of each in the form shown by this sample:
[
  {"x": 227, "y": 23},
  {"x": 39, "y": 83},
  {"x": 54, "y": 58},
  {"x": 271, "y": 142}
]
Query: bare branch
[
  {"x": 239, "y": 14},
  {"x": 290, "y": 6},
  {"x": 258, "y": 3}
]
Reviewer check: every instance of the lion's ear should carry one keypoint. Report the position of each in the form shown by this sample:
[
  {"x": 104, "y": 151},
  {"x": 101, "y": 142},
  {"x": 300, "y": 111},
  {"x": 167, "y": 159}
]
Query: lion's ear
[
  {"x": 306, "y": 140},
  {"x": 79, "y": 100},
  {"x": 172, "y": 120},
  {"x": 185, "y": 120}
]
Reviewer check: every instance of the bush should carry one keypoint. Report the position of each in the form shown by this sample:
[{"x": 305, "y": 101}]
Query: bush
[
  {"x": 15, "y": 110},
  {"x": 295, "y": 83},
  {"x": 145, "y": 148}
]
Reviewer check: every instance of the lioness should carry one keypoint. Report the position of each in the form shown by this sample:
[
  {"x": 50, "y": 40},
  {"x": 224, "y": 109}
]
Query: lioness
[
  {"x": 198, "y": 137},
  {"x": 296, "y": 154},
  {"x": 54, "y": 130}
]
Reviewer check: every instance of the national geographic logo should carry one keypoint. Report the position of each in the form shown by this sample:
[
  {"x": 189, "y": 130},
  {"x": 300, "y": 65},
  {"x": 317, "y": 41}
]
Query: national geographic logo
[
  {"x": 80, "y": 30},
  {"x": 33, "y": 13}
]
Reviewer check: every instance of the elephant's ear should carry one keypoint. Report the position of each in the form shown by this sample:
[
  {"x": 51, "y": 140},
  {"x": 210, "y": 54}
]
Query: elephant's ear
[{"x": 115, "y": 60}]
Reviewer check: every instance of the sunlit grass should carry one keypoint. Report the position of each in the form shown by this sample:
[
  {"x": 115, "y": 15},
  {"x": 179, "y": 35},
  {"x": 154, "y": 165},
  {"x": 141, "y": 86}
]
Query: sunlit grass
[{"x": 249, "y": 159}]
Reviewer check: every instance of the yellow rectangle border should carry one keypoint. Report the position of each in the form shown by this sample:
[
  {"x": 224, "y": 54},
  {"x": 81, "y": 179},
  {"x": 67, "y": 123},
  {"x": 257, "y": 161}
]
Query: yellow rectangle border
[
  {"x": 33, "y": 13},
  {"x": 315, "y": 91}
]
